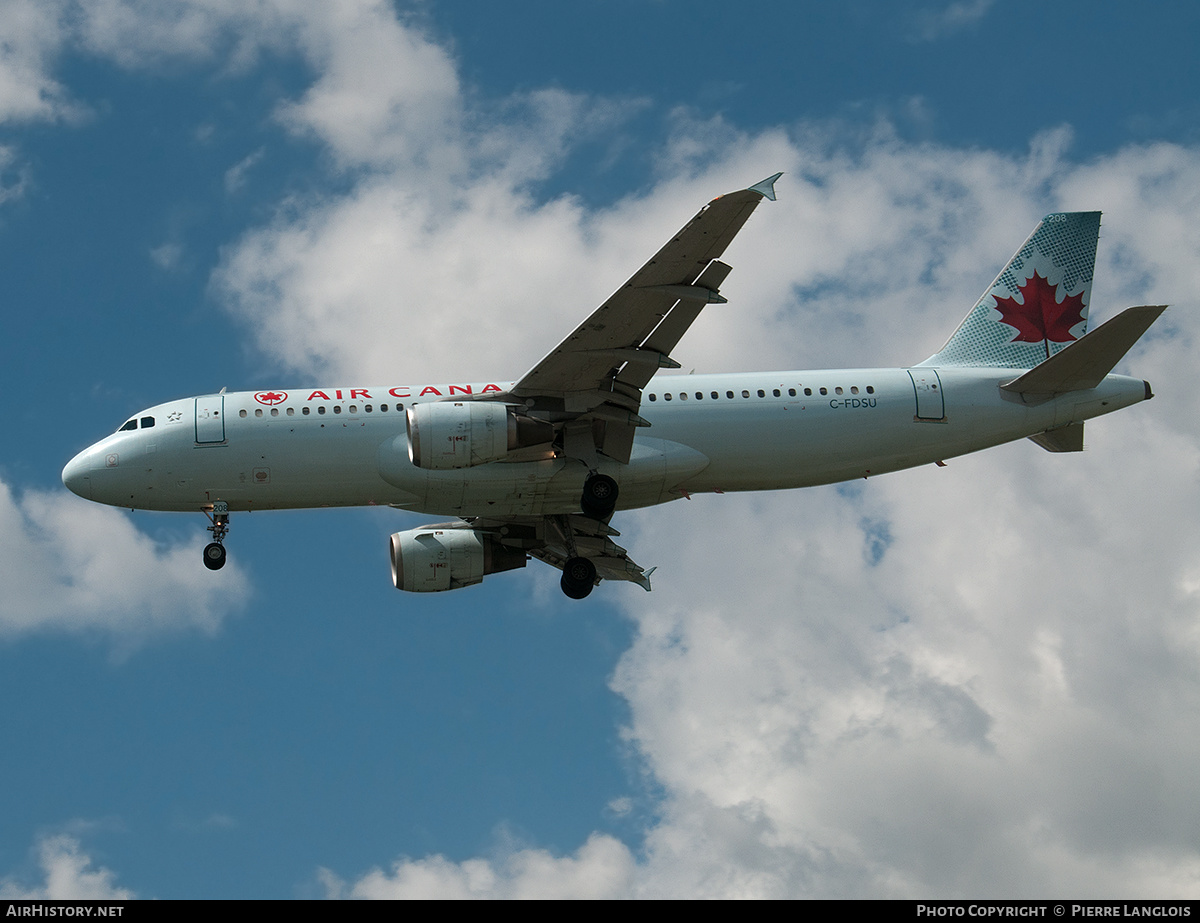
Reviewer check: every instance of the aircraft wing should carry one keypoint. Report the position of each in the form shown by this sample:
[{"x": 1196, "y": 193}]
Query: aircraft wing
[
  {"x": 557, "y": 539},
  {"x": 598, "y": 372}
]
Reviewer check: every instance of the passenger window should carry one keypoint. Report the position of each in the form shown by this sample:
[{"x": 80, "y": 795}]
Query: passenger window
[
  {"x": 304, "y": 410},
  {"x": 383, "y": 408},
  {"x": 258, "y": 413},
  {"x": 147, "y": 422},
  {"x": 274, "y": 411},
  {"x": 291, "y": 411},
  {"x": 776, "y": 392},
  {"x": 667, "y": 396},
  {"x": 337, "y": 408},
  {"x": 353, "y": 408},
  {"x": 367, "y": 408},
  {"x": 683, "y": 395},
  {"x": 729, "y": 395},
  {"x": 715, "y": 395},
  {"x": 837, "y": 390},
  {"x": 791, "y": 392},
  {"x": 870, "y": 389},
  {"x": 241, "y": 413},
  {"x": 808, "y": 392},
  {"x": 762, "y": 393},
  {"x": 745, "y": 394},
  {"x": 824, "y": 390},
  {"x": 699, "y": 395},
  {"x": 320, "y": 408},
  {"x": 854, "y": 390},
  {"x": 129, "y": 424},
  {"x": 653, "y": 398}
]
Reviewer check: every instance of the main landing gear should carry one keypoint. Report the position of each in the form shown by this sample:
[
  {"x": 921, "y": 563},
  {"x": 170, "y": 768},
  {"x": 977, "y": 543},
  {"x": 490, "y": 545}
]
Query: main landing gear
[
  {"x": 214, "y": 551},
  {"x": 579, "y": 576},
  {"x": 578, "y": 572},
  {"x": 598, "y": 501},
  {"x": 599, "y": 496}
]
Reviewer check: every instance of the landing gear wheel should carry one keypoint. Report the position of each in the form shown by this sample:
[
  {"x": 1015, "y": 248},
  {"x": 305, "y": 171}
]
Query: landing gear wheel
[
  {"x": 599, "y": 496},
  {"x": 214, "y": 551},
  {"x": 579, "y": 576},
  {"x": 214, "y": 555}
]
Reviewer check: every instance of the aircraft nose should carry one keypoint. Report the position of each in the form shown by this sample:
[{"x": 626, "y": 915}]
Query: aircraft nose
[{"x": 76, "y": 476}]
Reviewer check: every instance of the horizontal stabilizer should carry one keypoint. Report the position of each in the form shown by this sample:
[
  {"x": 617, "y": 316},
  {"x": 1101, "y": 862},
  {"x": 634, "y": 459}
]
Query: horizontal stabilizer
[
  {"x": 1064, "y": 439},
  {"x": 1084, "y": 363}
]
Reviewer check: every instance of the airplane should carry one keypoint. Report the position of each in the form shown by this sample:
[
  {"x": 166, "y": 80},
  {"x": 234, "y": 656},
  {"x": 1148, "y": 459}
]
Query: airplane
[{"x": 538, "y": 467}]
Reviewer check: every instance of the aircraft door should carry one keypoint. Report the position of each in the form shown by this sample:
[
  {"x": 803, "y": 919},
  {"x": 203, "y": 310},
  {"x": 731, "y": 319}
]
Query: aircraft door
[
  {"x": 931, "y": 404},
  {"x": 210, "y": 418}
]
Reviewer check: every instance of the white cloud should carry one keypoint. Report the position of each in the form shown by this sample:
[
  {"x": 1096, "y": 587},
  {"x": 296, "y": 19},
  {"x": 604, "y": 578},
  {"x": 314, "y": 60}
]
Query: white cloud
[
  {"x": 236, "y": 176},
  {"x": 999, "y": 707},
  {"x": 67, "y": 565},
  {"x": 384, "y": 93},
  {"x": 602, "y": 868},
  {"x": 69, "y": 875},
  {"x": 31, "y": 35},
  {"x": 145, "y": 34},
  {"x": 930, "y": 25},
  {"x": 166, "y": 256},
  {"x": 14, "y": 176},
  {"x": 880, "y": 247}
]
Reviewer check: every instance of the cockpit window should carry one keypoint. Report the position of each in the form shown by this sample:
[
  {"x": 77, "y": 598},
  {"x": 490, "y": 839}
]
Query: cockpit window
[
  {"x": 147, "y": 422},
  {"x": 129, "y": 424}
]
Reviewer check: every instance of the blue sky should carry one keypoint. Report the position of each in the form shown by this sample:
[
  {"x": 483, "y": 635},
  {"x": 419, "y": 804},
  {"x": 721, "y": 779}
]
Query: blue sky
[{"x": 976, "y": 680}]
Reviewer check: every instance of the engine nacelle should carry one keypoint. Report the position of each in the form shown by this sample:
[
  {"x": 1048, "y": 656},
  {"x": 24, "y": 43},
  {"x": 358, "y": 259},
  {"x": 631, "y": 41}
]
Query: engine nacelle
[
  {"x": 429, "y": 559},
  {"x": 461, "y": 434}
]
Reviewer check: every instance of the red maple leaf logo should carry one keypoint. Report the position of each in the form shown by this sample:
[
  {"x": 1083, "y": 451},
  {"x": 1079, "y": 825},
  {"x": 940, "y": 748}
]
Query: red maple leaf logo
[
  {"x": 271, "y": 397},
  {"x": 1041, "y": 317}
]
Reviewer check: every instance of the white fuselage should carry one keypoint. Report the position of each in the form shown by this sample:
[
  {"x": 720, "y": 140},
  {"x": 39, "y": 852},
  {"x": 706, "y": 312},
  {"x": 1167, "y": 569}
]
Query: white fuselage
[{"x": 748, "y": 431}]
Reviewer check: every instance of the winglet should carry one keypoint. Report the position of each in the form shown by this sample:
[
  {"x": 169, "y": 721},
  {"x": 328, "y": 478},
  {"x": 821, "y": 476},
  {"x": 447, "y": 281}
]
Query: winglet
[{"x": 766, "y": 188}]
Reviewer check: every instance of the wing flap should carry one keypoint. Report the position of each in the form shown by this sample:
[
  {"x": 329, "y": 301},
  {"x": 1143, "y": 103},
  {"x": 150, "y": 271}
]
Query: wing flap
[
  {"x": 671, "y": 328},
  {"x": 556, "y": 539}
]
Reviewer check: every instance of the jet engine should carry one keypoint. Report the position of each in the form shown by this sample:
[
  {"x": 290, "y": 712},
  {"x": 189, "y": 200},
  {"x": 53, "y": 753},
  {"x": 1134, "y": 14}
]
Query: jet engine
[
  {"x": 461, "y": 434},
  {"x": 430, "y": 559}
]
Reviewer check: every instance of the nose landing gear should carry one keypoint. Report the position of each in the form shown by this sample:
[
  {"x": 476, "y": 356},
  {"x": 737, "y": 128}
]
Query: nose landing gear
[{"x": 214, "y": 551}]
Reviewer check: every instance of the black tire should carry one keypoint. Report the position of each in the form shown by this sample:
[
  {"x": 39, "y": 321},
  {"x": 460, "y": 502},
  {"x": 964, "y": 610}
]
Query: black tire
[
  {"x": 579, "y": 577},
  {"x": 600, "y": 494},
  {"x": 214, "y": 555}
]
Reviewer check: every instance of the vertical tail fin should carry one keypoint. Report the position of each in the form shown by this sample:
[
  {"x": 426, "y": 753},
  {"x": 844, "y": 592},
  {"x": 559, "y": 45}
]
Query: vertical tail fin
[{"x": 1037, "y": 305}]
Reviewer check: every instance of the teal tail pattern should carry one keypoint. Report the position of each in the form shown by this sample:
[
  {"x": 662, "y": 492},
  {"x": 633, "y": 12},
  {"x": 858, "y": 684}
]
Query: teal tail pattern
[{"x": 1037, "y": 305}]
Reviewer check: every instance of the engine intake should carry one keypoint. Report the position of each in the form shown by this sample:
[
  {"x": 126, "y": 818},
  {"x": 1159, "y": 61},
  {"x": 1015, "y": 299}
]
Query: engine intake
[
  {"x": 429, "y": 559},
  {"x": 462, "y": 434}
]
